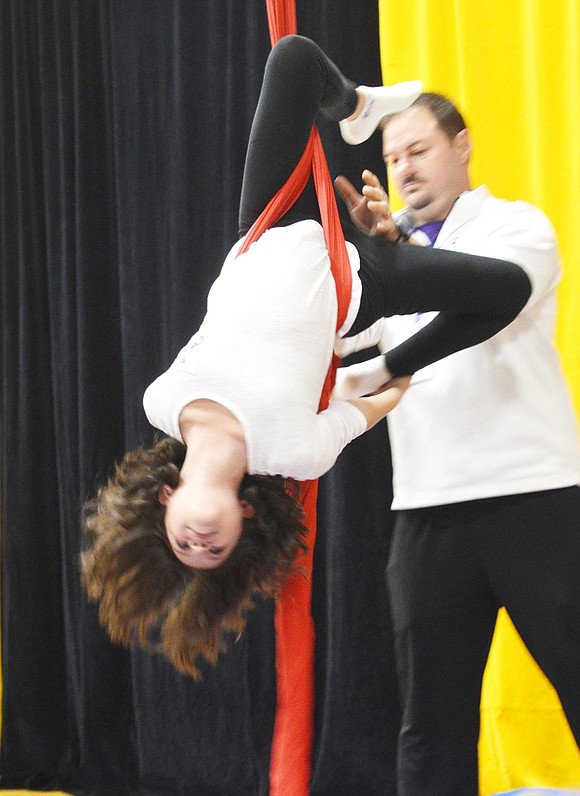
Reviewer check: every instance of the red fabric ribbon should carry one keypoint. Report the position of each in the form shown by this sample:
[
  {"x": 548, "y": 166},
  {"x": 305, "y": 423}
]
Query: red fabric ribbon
[{"x": 290, "y": 765}]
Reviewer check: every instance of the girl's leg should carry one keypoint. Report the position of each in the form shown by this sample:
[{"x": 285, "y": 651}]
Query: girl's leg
[
  {"x": 299, "y": 81},
  {"x": 476, "y": 297}
]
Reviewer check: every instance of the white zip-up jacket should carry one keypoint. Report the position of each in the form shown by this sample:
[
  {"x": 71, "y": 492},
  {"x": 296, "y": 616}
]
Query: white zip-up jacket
[{"x": 497, "y": 418}]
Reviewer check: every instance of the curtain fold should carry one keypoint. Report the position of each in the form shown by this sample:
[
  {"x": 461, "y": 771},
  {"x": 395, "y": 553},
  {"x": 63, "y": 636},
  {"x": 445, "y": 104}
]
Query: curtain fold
[
  {"x": 514, "y": 69},
  {"x": 123, "y": 131}
]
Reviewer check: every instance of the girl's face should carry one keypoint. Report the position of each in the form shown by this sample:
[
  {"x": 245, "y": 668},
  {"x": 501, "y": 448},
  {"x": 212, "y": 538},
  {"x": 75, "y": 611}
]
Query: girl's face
[{"x": 203, "y": 528}]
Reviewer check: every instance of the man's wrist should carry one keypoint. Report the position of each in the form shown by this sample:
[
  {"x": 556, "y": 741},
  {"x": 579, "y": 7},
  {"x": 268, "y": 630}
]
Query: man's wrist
[{"x": 402, "y": 234}]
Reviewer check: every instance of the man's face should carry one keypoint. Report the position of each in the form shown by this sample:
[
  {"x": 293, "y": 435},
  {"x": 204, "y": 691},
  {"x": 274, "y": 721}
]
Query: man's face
[{"x": 429, "y": 169}]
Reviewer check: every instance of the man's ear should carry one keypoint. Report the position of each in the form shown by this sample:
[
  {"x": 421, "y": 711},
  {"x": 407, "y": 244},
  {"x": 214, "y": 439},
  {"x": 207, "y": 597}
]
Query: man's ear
[
  {"x": 248, "y": 511},
  {"x": 165, "y": 493},
  {"x": 463, "y": 144}
]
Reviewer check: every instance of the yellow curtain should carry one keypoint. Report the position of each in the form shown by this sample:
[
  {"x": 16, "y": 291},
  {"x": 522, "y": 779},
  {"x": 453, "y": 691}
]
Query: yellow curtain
[{"x": 513, "y": 66}]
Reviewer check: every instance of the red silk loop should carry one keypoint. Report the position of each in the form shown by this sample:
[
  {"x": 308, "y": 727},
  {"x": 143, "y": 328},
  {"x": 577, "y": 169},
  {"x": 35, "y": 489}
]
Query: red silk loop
[
  {"x": 290, "y": 763},
  {"x": 281, "y": 19}
]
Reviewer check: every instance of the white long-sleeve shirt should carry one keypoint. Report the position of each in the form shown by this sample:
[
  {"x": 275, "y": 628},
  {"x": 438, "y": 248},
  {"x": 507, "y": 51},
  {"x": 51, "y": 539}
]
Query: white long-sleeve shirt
[{"x": 263, "y": 351}]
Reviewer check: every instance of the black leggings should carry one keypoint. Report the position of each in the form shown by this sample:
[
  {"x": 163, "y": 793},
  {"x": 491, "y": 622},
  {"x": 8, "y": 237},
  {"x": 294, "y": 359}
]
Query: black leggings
[
  {"x": 476, "y": 296},
  {"x": 299, "y": 82}
]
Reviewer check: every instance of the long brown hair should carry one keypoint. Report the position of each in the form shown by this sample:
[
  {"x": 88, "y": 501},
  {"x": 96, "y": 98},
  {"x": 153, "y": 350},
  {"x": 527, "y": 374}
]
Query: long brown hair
[{"x": 146, "y": 594}]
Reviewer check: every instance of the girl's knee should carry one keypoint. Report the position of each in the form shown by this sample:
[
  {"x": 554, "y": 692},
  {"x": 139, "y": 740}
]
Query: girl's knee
[{"x": 294, "y": 49}]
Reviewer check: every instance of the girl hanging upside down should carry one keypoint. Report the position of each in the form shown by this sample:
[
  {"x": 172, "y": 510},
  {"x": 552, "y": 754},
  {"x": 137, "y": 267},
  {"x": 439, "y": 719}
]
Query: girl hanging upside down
[{"x": 185, "y": 534}]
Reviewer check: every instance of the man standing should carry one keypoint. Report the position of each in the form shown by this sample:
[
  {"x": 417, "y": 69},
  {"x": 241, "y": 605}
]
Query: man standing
[{"x": 486, "y": 463}]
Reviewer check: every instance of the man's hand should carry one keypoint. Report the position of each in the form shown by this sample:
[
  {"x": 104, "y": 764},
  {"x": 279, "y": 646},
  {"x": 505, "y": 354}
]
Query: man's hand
[{"x": 370, "y": 210}]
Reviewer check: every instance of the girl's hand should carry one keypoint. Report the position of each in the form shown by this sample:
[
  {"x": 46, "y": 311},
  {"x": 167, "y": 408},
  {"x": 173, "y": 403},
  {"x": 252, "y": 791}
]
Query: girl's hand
[{"x": 376, "y": 407}]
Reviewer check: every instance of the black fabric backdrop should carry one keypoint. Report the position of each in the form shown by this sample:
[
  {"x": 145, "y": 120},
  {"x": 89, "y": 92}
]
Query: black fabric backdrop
[{"x": 122, "y": 139}]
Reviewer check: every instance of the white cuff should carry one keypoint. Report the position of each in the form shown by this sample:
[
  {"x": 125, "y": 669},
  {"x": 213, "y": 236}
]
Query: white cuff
[{"x": 360, "y": 379}]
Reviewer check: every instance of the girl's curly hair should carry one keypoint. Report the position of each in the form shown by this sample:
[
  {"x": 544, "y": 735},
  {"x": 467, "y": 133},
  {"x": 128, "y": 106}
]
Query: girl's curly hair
[{"x": 145, "y": 592}]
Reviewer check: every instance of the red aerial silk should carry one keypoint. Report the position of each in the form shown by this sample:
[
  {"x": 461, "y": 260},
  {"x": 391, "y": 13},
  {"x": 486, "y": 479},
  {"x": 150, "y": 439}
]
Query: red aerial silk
[{"x": 290, "y": 766}]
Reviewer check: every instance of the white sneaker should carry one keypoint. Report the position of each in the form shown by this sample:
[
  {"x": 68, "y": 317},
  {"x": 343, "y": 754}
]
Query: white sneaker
[{"x": 381, "y": 101}]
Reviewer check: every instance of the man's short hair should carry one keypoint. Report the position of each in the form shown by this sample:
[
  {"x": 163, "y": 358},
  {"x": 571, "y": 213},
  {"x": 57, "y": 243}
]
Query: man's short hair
[{"x": 445, "y": 112}]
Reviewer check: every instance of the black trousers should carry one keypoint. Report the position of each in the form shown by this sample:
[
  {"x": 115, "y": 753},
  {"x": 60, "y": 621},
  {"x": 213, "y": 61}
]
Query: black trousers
[
  {"x": 476, "y": 296},
  {"x": 450, "y": 570},
  {"x": 300, "y": 82}
]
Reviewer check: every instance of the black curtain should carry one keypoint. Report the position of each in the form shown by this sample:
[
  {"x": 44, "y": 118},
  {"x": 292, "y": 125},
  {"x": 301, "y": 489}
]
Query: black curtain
[{"x": 123, "y": 127}]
